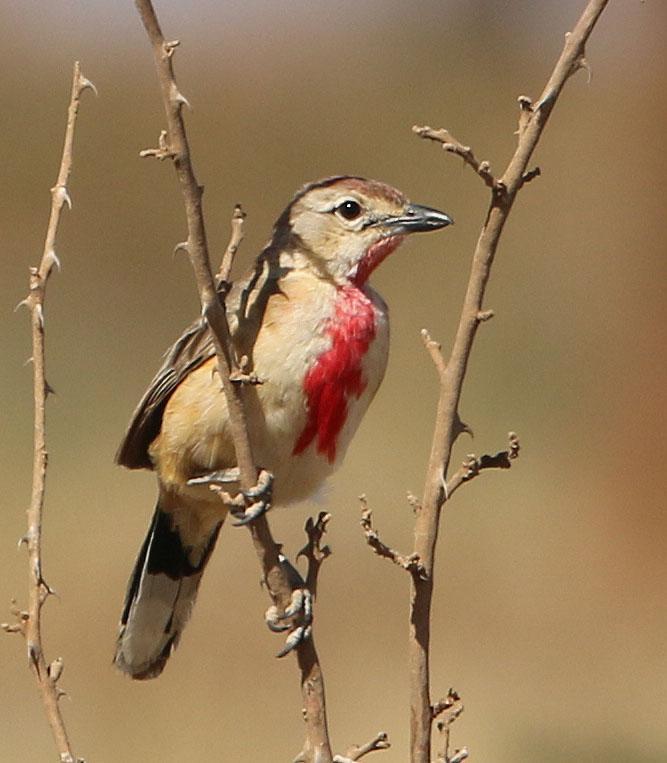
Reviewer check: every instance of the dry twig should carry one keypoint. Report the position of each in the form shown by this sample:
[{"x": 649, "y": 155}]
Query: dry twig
[
  {"x": 532, "y": 121},
  {"x": 409, "y": 563},
  {"x": 29, "y": 622},
  {"x": 473, "y": 465},
  {"x": 174, "y": 144},
  {"x": 445, "y": 712},
  {"x": 222, "y": 277},
  {"x": 379, "y": 742},
  {"x": 451, "y": 144}
]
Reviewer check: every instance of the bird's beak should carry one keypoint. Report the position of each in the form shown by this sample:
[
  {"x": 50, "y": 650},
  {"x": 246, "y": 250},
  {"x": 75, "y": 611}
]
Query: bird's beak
[{"x": 416, "y": 219}]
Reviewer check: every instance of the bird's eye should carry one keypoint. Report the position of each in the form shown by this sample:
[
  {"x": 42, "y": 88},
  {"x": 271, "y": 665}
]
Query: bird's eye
[{"x": 349, "y": 209}]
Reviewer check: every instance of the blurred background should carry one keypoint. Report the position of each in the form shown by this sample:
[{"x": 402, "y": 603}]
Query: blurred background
[{"x": 550, "y": 612}]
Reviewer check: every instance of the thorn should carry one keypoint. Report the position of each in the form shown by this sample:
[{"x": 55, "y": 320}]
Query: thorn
[
  {"x": 86, "y": 84},
  {"x": 485, "y": 315},
  {"x": 61, "y": 193},
  {"x": 463, "y": 428},
  {"x": 182, "y": 246},
  {"x": 23, "y": 303},
  {"x": 52, "y": 259},
  {"x": 48, "y": 591},
  {"x": 23, "y": 540},
  {"x": 170, "y": 46},
  {"x": 583, "y": 63},
  {"x": 28, "y": 361},
  {"x": 178, "y": 98},
  {"x": 530, "y": 175}
]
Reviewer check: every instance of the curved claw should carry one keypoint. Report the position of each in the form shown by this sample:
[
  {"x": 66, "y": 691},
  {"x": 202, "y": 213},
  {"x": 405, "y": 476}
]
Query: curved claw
[
  {"x": 301, "y": 606},
  {"x": 252, "y": 512},
  {"x": 273, "y": 621},
  {"x": 297, "y": 637},
  {"x": 297, "y": 604},
  {"x": 262, "y": 488}
]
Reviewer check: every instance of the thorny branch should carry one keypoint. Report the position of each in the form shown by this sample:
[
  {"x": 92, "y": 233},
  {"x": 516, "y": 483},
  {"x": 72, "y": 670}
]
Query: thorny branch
[
  {"x": 29, "y": 622},
  {"x": 437, "y": 490},
  {"x": 173, "y": 144}
]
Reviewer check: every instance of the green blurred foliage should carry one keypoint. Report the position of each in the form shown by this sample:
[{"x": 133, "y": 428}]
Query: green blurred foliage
[{"x": 550, "y": 615}]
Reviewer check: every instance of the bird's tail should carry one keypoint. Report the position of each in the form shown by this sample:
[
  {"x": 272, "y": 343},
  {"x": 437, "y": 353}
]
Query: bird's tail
[{"x": 162, "y": 591}]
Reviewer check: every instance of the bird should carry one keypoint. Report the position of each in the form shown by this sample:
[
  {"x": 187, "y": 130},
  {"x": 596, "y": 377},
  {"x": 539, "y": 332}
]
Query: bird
[{"x": 316, "y": 335}]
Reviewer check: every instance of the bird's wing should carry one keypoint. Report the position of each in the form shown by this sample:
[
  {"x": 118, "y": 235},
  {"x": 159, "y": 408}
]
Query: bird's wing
[
  {"x": 246, "y": 304},
  {"x": 192, "y": 348}
]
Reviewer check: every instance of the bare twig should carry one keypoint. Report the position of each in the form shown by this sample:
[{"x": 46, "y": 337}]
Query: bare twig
[
  {"x": 174, "y": 144},
  {"x": 473, "y": 465},
  {"x": 379, "y": 742},
  {"x": 222, "y": 277},
  {"x": 314, "y": 552},
  {"x": 451, "y": 144},
  {"x": 446, "y": 711},
  {"x": 28, "y": 622},
  {"x": 448, "y": 424},
  {"x": 410, "y": 563}
]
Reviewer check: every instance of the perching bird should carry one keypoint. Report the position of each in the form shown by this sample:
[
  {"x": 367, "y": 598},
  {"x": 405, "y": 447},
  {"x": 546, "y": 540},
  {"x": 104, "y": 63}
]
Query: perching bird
[{"x": 317, "y": 336}]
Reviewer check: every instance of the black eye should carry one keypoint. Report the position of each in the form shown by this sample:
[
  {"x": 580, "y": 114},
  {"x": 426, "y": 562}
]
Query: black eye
[{"x": 349, "y": 209}]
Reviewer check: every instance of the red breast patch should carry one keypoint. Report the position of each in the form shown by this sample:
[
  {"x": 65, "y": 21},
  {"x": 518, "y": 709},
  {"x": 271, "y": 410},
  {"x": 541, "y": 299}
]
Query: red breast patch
[{"x": 337, "y": 376}]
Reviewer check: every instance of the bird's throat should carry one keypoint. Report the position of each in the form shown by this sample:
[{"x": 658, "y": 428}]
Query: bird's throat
[{"x": 374, "y": 255}]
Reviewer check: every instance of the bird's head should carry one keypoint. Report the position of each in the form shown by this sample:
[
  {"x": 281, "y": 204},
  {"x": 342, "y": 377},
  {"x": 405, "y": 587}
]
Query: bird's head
[{"x": 345, "y": 226}]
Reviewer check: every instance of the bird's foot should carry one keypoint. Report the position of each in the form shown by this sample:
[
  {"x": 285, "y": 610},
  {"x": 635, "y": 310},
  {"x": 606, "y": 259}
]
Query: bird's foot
[
  {"x": 248, "y": 504},
  {"x": 297, "y": 617}
]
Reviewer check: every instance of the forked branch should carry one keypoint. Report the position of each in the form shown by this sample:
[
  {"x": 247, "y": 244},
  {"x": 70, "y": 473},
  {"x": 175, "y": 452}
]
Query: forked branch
[{"x": 29, "y": 622}]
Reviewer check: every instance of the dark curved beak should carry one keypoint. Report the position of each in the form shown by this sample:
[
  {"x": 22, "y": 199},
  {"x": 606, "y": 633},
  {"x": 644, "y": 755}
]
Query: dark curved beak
[{"x": 417, "y": 219}]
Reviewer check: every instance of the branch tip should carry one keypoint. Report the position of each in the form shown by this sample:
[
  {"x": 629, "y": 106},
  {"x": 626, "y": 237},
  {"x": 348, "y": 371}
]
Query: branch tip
[
  {"x": 224, "y": 272},
  {"x": 379, "y": 742},
  {"x": 452, "y": 145}
]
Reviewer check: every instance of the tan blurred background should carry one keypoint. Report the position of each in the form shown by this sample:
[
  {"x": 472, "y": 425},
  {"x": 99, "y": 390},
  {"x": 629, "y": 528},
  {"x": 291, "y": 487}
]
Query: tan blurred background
[{"x": 550, "y": 606}]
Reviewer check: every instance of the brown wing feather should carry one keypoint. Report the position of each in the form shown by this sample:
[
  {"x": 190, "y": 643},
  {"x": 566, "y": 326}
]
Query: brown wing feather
[
  {"x": 193, "y": 347},
  {"x": 246, "y": 304}
]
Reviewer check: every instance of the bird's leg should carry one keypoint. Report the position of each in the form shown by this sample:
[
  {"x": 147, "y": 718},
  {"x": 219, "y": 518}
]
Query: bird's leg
[
  {"x": 297, "y": 617},
  {"x": 249, "y": 504}
]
